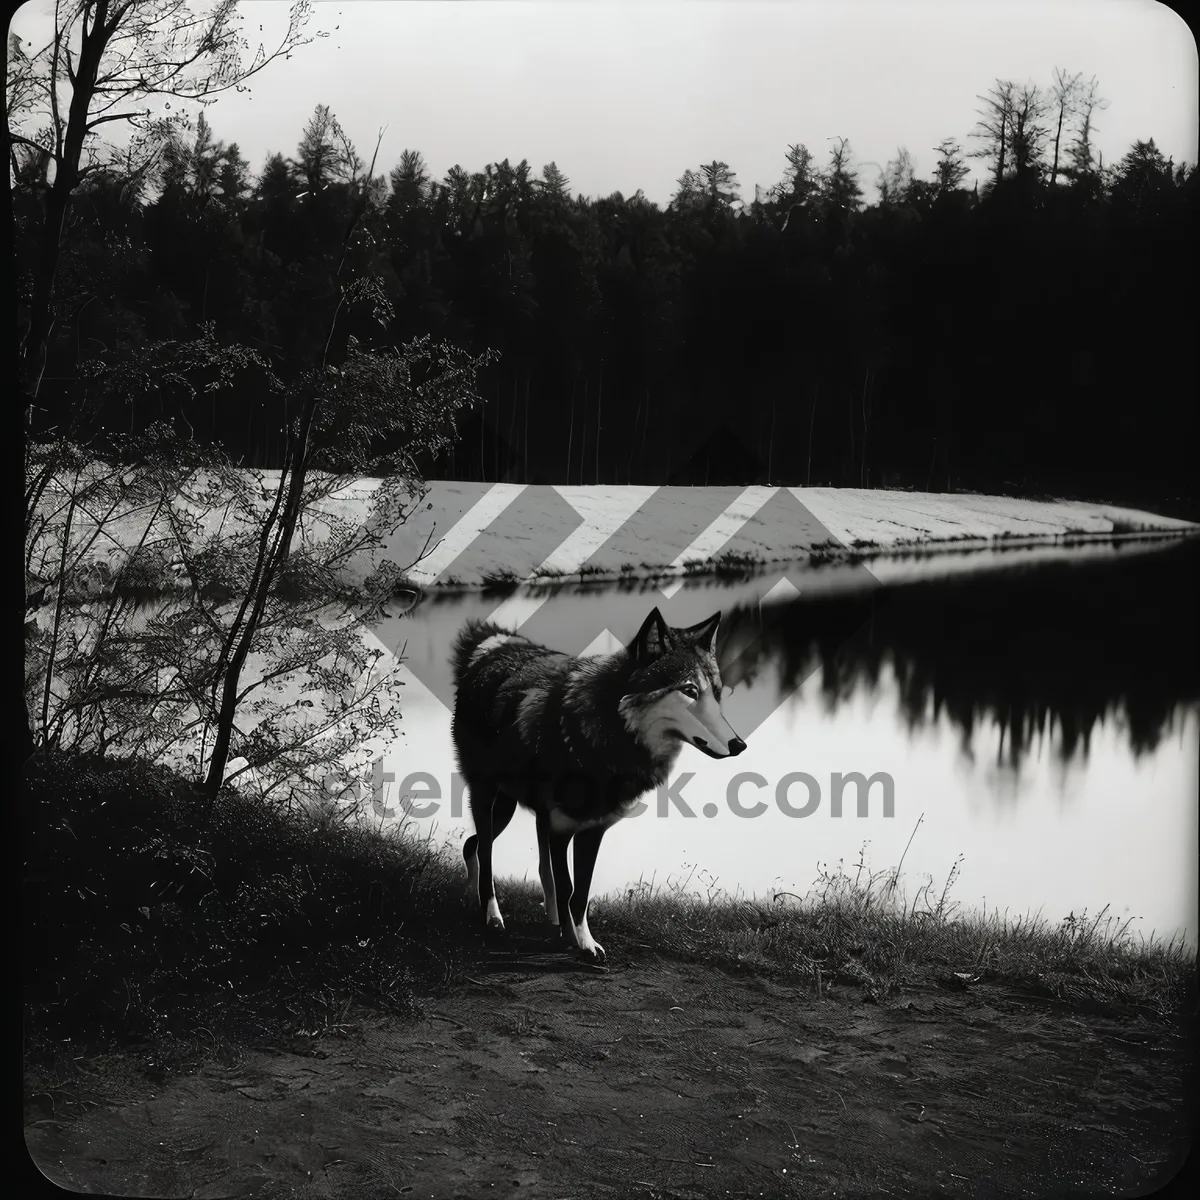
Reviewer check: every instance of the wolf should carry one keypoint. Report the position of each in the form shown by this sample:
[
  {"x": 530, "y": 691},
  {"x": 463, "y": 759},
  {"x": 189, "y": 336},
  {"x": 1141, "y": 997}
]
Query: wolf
[{"x": 578, "y": 741}]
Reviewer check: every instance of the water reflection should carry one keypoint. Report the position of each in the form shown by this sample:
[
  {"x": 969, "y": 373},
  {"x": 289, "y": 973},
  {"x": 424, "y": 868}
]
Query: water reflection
[
  {"x": 1061, "y": 680},
  {"x": 1047, "y": 651},
  {"x": 1039, "y": 651}
]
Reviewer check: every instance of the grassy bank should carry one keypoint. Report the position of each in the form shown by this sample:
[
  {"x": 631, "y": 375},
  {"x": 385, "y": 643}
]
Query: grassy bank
[
  {"x": 154, "y": 917},
  {"x": 856, "y": 929},
  {"x": 156, "y": 921}
]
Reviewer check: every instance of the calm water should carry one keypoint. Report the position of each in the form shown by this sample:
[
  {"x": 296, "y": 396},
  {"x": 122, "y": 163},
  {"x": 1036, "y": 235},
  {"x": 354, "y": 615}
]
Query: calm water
[{"x": 1041, "y": 717}]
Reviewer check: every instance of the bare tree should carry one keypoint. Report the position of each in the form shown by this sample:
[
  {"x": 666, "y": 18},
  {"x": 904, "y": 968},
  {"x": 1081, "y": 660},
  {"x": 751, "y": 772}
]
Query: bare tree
[
  {"x": 1029, "y": 132},
  {"x": 1064, "y": 93},
  {"x": 103, "y": 62},
  {"x": 994, "y": 128},
  {"x": 1087, "y": 102}
]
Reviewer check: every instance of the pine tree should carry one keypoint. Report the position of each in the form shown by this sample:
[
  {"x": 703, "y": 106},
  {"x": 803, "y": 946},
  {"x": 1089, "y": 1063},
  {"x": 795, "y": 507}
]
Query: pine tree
[
  {"x": 689, "y": 191},
  {"x": 275, "y": 181},
  {"x": 719, "y": 184},
  {"x": 409, "y": 183},
  {"x": 950, "y": 170},
  {"x": 555, "y": 183},
  {"x": 233, "y": 177},
  {"x": 896, "y": 179},
  {"x": 324, "y": 155},
  {"x": 841, "y": 187},
  {"x": 801, "y": 181},
  {"x": 205, "y": 162}
]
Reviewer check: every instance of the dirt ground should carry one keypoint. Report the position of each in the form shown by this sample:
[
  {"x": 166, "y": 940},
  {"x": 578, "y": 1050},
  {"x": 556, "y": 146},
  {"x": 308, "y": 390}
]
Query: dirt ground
[{"x": 652, "y": 1079}]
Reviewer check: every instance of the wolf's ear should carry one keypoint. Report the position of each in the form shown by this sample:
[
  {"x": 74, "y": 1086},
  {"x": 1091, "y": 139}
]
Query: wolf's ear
[
  {"x": 651, "y": 639},
  {"x": 704, "y": 634}
]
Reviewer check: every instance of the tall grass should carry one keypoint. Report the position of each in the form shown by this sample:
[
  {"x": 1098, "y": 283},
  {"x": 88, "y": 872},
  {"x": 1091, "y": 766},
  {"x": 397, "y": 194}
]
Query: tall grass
[
  {"x": 152, "y": 918},
  {"x": 858, "y": 927}
]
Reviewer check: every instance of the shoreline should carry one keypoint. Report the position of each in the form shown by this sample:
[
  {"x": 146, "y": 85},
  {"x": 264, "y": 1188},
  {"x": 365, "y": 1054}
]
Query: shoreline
[
  {"x": 917, "y": 551},
  {"x": 468, "y": 537}
]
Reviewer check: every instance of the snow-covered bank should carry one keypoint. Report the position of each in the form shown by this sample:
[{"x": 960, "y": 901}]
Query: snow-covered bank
[{"x": 468, "y": 534}]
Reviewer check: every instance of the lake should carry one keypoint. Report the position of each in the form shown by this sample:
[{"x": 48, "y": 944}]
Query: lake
[{"x": 1037, "y": 713}]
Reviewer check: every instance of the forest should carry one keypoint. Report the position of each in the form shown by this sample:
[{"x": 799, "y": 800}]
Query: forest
[{"x": 1026, "y": 335}]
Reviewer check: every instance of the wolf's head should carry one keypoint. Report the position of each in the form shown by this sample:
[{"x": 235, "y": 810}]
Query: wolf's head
[{"x": 674, "y": 692}]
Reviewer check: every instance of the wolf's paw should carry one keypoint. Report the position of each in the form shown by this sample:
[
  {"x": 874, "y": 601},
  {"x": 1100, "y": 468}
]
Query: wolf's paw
[
  {"x": 594, "y": 955},
  {"x": 589, "y": 949}
]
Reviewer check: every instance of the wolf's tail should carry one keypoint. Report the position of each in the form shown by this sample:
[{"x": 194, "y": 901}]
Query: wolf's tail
[{"x": 468, "y": 640}]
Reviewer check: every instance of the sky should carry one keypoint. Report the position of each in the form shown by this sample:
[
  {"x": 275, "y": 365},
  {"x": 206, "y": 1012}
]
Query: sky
[{"x": 624, "y": 96}]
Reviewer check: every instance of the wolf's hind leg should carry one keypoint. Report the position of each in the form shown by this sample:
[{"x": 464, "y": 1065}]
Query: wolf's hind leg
[
  {"x": 492, "y": 810},
  {"x": 481, "y": 796},
  {"x": 471, "y": 858},
  {"x": 545, "y": 870}
]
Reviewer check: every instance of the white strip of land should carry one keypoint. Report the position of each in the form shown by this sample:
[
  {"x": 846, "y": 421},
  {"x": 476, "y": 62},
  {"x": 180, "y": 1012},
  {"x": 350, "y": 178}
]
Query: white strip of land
[{"x": 481, "y": 532}]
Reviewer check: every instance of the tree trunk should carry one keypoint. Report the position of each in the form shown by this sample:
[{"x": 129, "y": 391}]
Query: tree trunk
[
  {"x": 269, "y": 558},
  {"x": 864, "y": 475},
  {"x": 850, "y": 413},
  {"x": 771, "y": 442},
  {"x": 1057, "y": 136},
  {"x": 510, "y": 466},
  {"x": 599, "y": 404},
  {"x": 645, "y": 426},
  {"x": 637, "y": 416},
  {"x": 16, "y": 479},
  {"x": 583, "y": 437},
  {"x": 571, "y": 428},
  {"x": 496, "y": 431},
  {"x": 58, "y": 200},
  {"x": 41, "y": 316},
  {"x": 812, "y": 416}
]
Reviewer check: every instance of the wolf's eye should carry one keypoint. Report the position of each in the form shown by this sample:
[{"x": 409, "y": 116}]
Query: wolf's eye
[{"x": 689, "y": 690}]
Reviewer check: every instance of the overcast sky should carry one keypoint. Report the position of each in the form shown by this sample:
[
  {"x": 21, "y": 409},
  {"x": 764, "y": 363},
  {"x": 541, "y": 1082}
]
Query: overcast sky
[{"x": 628, "y": 95}]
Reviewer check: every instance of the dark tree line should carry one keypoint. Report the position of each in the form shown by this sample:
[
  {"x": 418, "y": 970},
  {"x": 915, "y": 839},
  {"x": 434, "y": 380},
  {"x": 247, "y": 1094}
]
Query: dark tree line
[{"x": 1030, "y": 333}]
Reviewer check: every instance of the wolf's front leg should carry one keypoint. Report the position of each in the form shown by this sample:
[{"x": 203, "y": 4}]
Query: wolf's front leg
[
  {"x": 558, "y": 841},
  {"x": 587, "y": 846}
]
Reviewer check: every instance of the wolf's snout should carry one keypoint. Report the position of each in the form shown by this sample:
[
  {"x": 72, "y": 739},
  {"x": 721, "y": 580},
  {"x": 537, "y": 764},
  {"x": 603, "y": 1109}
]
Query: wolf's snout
[{"x": 735, "y": 747}]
